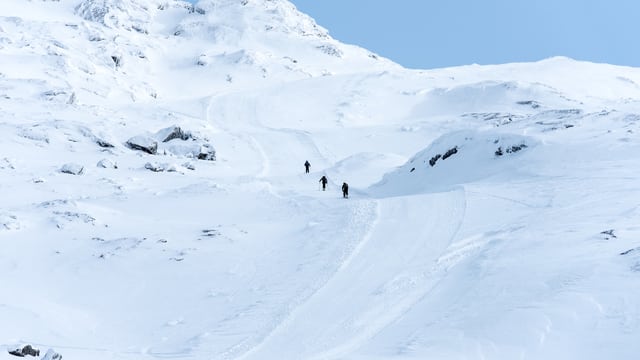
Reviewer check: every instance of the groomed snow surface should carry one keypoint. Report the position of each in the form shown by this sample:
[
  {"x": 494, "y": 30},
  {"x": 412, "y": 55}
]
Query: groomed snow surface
[{"x": 493, "y": 212}]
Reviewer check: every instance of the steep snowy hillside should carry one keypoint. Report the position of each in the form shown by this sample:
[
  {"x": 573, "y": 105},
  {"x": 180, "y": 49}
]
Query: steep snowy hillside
[
  {"x": 154, "y": 201},
  {"x": 97, "y": 51}
]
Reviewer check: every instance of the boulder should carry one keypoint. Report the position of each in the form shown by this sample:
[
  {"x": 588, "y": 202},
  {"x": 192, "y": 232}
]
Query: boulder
[
  {"x": 143, "y": 143},
  {"x": 207, "y": 152},
  {"x": 73, "y": 169},
  {"x": 24, "y": 351},
  {"x": 172, "y": 132}
]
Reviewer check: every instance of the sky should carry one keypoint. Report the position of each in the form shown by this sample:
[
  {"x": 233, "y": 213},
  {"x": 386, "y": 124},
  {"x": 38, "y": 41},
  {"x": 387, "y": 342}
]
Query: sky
[{"x": 433, "y": 34}]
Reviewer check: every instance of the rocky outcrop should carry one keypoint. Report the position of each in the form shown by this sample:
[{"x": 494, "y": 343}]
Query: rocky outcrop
[
  {"x": 175, "y": 141},
  {"x": 447, "y": 154},
  {"x": 510, "y": 149},
  {"x": 24, "y": 351}
]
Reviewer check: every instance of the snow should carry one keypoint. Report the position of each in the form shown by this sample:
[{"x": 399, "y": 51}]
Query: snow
[{"x": 521, "y": 243}]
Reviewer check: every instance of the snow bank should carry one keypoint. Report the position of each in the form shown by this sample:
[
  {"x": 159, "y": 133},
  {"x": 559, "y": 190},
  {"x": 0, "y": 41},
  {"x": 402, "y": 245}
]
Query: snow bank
[{"x": 456, "y": 158}]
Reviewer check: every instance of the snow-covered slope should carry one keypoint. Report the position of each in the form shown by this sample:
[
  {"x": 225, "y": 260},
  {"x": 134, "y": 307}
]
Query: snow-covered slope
[{"x": 155, "y": 205}]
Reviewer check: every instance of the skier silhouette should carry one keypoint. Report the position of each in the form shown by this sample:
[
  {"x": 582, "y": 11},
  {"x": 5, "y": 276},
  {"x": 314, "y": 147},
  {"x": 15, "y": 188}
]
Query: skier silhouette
[
  {"x": 324, "y": 181},
  {"x": 345, "y": 190},
  {"x": 307, "y": 166}
]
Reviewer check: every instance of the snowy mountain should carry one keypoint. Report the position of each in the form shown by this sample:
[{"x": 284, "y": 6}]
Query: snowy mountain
[{"x": 155, "y": 205}]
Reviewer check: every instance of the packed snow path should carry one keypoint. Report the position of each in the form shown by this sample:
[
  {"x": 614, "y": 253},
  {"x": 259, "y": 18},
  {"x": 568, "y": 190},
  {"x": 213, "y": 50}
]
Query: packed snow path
[
  {"x": 382, "y": 272},
  {"x": 383, "y": 276}
]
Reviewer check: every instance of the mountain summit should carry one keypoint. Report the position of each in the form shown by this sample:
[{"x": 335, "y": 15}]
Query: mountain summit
[{"x": 219, "y": 45}]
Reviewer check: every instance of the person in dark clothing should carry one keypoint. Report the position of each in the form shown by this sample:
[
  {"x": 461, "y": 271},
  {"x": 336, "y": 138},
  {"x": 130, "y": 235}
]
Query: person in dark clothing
[
  {"x": 345, "y": 190},
  {"x": 324, "y": 182},
  {"x": 307, "y": 166}
]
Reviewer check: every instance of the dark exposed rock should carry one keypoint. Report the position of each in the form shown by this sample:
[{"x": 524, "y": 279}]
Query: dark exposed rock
[
  {"x": 609, "y": 234},
  {"x": 104, "y": 143},
  {"x": 210, "y": 232},
  {"x": 627, "y": 252},
  {"x": 515, "y": 148},
  {"x": 434, "y": 159},
  {"x": 172, "y": 132},
  {"x": 24, "y": 351},
  {"x": 450, "y": 152},
  {"x": 447, "y": 154},
  {"x": 207, "y": 152},
  {"x": 117, "y": 60},
  {"x": 510, "y": 149}
]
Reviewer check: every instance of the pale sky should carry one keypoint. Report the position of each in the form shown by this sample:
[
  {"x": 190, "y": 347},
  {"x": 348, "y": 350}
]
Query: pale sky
[{"x": 440, "y": 33}]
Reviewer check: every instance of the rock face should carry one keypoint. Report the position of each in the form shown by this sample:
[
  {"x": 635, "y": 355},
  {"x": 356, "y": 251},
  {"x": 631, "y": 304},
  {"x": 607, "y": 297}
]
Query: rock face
[
  {"x": 175, "y": 141},
  {"x": 143, "y": 143},
  {"x": 73, "y": 169}
]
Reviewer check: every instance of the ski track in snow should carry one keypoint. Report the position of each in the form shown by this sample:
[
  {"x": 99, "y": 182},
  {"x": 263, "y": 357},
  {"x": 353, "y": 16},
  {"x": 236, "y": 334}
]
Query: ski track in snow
[{"x": 404, "y": 260}]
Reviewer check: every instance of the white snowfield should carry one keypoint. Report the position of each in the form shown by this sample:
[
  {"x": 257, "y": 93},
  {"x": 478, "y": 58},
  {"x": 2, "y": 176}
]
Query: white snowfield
[{"x": 494, "y": 211}]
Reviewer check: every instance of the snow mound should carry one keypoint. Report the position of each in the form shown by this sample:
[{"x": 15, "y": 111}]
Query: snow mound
[{"x": 455, "y": 158}]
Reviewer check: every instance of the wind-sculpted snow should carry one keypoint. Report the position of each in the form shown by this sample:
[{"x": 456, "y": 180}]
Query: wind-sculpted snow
[
  {"x": 154, "y": 200},
  {"x": 491, "y": 97},
  {"x": 457, "y": 158}
]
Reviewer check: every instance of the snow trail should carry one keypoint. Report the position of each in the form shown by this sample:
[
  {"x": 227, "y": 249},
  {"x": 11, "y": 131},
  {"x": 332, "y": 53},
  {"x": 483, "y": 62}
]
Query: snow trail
[{"x": 378, "y": 282}]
